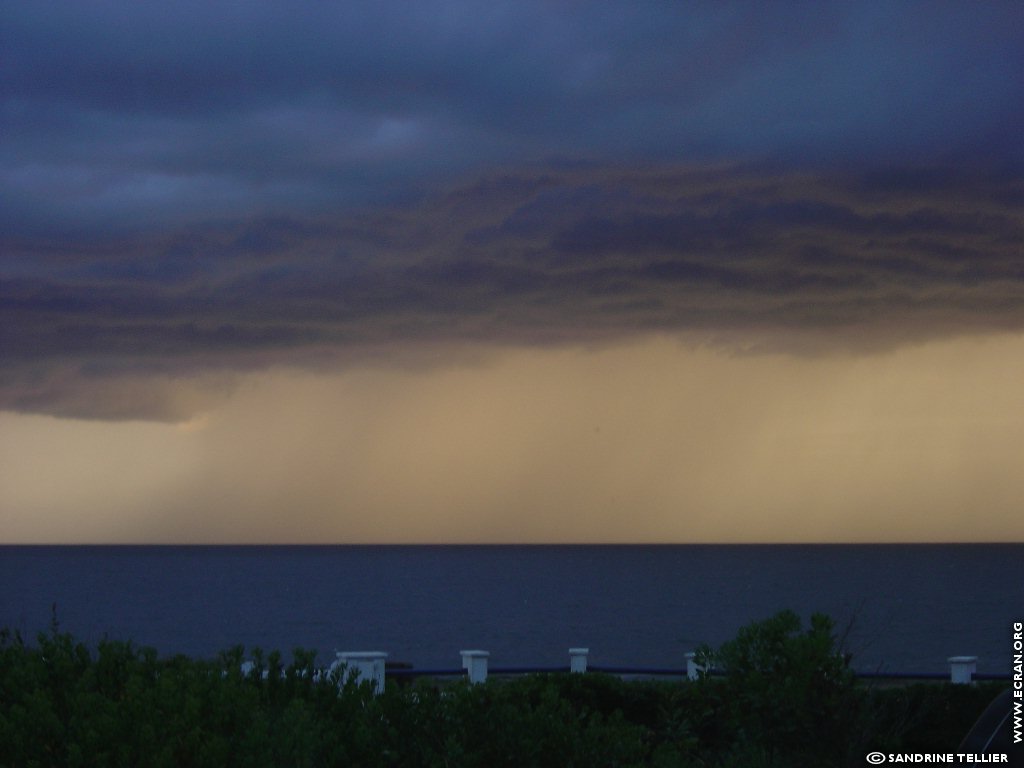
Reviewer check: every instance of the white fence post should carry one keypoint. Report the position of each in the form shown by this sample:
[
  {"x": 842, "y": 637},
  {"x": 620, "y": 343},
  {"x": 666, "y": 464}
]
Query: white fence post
[
  {"x": 578, "y": 659},
  {"x": 962, "y": 669},
  {"x": 475, "y": 663},
  {"x": 368, "y": 665},
  {"x": 693, "y": 669}
]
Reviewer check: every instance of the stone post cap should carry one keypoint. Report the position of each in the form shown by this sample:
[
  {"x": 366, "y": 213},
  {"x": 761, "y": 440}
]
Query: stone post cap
[
  {"x": 578, "y": 651},
  {"x": 962, "y": 659}
]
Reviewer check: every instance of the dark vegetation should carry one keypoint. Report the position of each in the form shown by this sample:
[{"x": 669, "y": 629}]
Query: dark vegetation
[{"x": 788, "y": 699}]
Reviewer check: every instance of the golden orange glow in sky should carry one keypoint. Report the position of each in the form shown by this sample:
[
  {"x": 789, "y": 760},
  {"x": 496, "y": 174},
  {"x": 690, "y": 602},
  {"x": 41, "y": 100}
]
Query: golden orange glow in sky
[{"x": 651, "y": 440}]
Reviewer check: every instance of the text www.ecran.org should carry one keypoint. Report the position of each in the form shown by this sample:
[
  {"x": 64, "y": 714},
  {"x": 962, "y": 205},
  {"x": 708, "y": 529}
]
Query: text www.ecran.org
[{"x": 1018, "y": 678}]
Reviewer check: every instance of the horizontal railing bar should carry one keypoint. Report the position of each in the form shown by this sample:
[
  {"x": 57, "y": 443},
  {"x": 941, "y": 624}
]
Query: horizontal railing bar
[
  {"x": 411, "y": 672},
  {"x": 669, "y": 672},
  {"x": 980, "y": 676},
  {"x": 638, "y": 670},
  {"x": 902, "y": 675},
  {"x": 660, "y": 671}
]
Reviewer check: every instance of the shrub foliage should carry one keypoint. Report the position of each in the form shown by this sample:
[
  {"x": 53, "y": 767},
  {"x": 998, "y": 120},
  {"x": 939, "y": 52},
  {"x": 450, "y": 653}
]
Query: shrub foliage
[{"x": 787, "y": 698}]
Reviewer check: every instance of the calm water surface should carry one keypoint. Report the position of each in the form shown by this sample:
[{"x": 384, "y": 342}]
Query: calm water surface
[{"x": 910, "y": 607}]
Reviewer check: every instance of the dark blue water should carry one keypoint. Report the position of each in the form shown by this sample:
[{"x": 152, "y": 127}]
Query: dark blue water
[{"x": 910, "y": 606}]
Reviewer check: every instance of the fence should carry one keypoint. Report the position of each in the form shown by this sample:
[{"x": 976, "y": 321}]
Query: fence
[{"x": 371, "y": 665}]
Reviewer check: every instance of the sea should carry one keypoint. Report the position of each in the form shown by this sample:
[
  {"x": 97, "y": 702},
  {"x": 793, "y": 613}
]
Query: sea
[{"x": 896, "y": 608}]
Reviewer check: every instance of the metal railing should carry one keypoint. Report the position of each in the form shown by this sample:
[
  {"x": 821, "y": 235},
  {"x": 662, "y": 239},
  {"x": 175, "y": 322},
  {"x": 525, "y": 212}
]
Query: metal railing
[{"x": 370, "y": 665}]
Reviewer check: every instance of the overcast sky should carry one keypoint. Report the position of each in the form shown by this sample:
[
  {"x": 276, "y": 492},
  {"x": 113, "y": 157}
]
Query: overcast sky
[{"x": 453, "y": 271}]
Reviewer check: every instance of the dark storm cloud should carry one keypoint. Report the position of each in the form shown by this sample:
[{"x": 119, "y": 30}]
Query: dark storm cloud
[
  {"x": 123, "y": 115},
  {"x": 548, "y": 256},
  {"x": 196, "y": 187}
]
